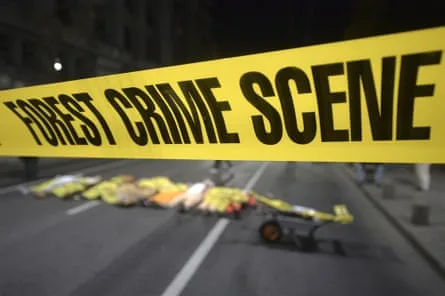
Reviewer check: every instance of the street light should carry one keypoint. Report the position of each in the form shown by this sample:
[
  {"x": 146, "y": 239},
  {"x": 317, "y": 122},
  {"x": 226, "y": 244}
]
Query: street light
[{"x": 57, "y": 65}]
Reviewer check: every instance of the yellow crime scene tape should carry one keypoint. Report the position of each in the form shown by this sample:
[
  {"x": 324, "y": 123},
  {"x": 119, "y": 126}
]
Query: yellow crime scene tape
[{"x": 379, "y": 99}]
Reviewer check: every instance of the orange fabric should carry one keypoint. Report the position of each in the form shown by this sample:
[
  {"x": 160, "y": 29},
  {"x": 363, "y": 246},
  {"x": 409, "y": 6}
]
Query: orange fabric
[{"x": 165, "y": 197}]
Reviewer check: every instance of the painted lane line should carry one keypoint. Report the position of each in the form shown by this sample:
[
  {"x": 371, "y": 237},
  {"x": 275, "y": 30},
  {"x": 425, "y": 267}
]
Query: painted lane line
[
  {"x": 255, "y": 178},
  {"x": 82, "y": 208},
  {"x": 94, "y": 169},
  {"x": 191, "y": 266},
  {"x": 23, "y": 187}
]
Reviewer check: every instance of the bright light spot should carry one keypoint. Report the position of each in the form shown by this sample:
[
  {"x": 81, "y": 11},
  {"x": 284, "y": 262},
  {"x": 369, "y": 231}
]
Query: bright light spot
[{"x": 57, "y": 66}]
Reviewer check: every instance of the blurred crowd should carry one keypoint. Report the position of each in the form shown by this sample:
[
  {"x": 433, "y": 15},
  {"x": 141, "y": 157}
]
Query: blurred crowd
[{"x": 374, "y": 172}]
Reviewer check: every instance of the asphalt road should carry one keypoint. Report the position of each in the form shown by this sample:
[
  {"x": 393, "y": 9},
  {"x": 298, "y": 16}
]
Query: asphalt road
[
  {"x": 46, "y": 249},
  {"x": 12, "y": 169}
]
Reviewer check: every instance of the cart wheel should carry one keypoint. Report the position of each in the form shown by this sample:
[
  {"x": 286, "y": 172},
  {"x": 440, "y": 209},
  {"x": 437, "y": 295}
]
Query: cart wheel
[{"x": 270, "y": 231}]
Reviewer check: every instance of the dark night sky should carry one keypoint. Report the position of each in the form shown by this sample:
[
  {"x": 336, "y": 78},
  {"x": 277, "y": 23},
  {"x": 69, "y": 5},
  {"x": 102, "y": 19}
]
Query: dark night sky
[
  {"x": 247, "y": 26},
  {"x": 250, "y": 26}
]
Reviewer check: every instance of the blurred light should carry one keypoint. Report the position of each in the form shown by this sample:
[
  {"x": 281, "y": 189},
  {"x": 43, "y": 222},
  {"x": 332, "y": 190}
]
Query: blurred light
[
  {"x": 57, "y": 65},
  {"x": 5, "y": 80},
  {"x": 18, "y": 84}
]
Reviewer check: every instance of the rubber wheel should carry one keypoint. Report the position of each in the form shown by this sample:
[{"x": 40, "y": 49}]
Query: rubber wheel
[{"x": 270, "y": 231}]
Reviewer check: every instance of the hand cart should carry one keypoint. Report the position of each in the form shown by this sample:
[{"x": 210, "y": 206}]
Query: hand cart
[{"x": 300, "y": 225}]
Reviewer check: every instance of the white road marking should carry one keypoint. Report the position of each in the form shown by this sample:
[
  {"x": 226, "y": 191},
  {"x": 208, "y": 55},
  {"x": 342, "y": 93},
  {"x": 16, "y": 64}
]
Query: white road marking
[
  {"x": 82, "y": 208},
  {"x": 191, "y": 266},
  {"x": 23, "y": 187},
  {"x": 255, "y": 178}
]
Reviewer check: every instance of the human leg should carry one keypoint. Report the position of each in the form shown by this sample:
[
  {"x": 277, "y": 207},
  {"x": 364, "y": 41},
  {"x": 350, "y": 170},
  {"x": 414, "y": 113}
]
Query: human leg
[{"x": 360, "y": 173}]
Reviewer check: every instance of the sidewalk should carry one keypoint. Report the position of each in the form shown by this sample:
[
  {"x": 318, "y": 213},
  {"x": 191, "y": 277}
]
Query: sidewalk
[{"x": 428, "y": 240}]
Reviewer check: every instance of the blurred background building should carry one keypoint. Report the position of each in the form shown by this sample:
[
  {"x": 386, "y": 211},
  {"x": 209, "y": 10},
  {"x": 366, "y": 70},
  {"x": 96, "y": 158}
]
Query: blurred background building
[{"x": 45, "y": 41}]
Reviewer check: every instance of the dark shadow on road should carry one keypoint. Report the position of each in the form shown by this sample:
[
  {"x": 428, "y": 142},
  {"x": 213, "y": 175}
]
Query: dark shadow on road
[{"x": 326, "y": 246}]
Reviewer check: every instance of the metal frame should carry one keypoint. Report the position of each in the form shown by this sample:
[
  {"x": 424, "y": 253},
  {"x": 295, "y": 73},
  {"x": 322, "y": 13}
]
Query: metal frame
[{"x": 302, "y": 231}]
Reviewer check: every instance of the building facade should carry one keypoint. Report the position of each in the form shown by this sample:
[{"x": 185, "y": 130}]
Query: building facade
[
  {"x": 193, "y": 31},
  {"x": 96, "y": 37}
]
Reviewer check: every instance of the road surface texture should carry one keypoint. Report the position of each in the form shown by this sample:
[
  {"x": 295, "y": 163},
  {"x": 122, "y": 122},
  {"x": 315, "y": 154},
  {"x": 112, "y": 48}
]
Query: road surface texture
[
  {"x": 12, "y": 169},
  {"x": 47, "y": 248}
]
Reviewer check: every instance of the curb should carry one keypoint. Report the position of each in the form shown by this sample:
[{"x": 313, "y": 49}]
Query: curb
[{"x": 418, "y": 246}]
